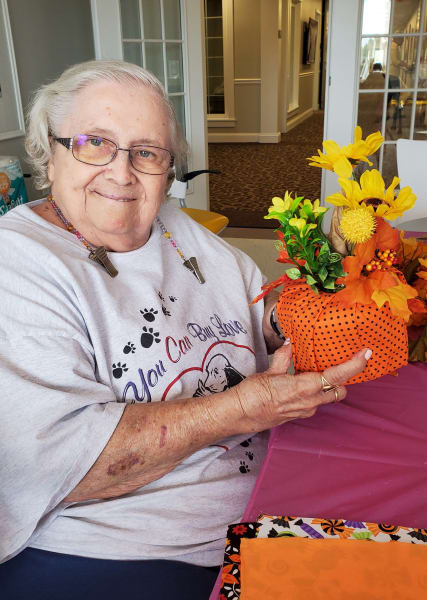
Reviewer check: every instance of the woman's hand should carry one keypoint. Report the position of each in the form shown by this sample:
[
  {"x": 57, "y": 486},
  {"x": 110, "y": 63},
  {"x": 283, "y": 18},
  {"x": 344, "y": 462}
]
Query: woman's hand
[{"x": 274, "y": 397}]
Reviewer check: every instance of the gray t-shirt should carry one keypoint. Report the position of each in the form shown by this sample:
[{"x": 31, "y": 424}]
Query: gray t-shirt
[{"x": 76, "y": 345}]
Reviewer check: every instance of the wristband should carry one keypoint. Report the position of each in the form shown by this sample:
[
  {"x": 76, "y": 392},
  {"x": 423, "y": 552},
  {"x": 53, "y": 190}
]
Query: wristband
[{"x": 275, "y": 325}]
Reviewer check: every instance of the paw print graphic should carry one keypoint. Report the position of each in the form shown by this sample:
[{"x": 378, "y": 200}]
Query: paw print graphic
[
  {"x": 161, "y": 296},
  {"x": 250, "y": 455},
  {"x": 119, "y": 369},
  {"x": 149, "y": 315},
  {"x": 149, "y": 336},
  {"x": 244, "y": 468},
  {"x": 246, "y": 443},
  {"x": 165, "y": 311},
  {"x": 129, "y": 348},
  {"x": 173, "y": 298}
]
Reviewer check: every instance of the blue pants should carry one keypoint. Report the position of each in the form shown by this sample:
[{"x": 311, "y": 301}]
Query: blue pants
[{"x": 39, "y": 575}]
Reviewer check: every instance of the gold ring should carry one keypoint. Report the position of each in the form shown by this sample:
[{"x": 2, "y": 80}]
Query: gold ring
[
  {"x": 336, "y": 394},
  {"x": 326, "y": 386}
]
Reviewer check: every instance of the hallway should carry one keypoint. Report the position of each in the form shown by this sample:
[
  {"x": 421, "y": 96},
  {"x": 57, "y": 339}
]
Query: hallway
[{"x": 251, "y": 173}]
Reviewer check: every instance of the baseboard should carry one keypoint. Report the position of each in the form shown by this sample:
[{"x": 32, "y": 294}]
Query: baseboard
[
  {"x": 270, "y": 138},
  {"x": 226, "y": 138},
  {"x": 294, "y": 121}
]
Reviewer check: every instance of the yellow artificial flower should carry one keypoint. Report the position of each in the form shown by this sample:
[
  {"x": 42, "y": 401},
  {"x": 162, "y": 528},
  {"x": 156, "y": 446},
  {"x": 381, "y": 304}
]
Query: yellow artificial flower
[
  {"x": 301, "y": 225},
  {"x": 372, "y": 193},
  {"x": 342, "y": 159},
  {"x": 280, "y": 205},
  {"x": 357, "y": 224},
  {"x": 315, "y": 207}
]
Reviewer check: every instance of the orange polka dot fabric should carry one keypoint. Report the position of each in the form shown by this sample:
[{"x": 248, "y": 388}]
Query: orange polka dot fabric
[{"x": 324, "y": 332}]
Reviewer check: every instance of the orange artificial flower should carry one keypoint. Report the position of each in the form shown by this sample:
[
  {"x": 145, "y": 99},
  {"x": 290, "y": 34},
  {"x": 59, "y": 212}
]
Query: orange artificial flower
[{"x": 376, "y": 286}]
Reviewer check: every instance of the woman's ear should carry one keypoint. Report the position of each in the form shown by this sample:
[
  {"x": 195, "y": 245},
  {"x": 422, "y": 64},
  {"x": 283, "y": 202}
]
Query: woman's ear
[
  {"x": 169, "y": 181},
  {"x": 50, "y": 166},
  {"x": 50, "y": 171}
]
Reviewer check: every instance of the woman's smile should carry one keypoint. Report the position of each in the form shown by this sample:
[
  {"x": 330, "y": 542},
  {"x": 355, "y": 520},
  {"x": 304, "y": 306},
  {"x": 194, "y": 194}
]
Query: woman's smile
[{"x": 116, "y": 197}]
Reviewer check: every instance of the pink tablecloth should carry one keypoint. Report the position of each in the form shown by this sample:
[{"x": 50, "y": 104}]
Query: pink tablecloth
[{"x": 364, "y": 459}]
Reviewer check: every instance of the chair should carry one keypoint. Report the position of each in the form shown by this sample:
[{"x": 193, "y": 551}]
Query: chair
[
  {"x": 411, "y": 167},
  {"x": 213, "y": 221}
]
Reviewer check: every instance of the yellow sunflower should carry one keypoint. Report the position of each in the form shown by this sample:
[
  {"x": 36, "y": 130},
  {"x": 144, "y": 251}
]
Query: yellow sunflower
[
  {"x": 372, "y": 193},
  {"x": 342, "y": 159}
]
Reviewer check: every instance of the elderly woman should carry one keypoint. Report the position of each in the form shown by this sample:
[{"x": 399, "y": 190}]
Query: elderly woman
[{"x": 133, "y": 370}]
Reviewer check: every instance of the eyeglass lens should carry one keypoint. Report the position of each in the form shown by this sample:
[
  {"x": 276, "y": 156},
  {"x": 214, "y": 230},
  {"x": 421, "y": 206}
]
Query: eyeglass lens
[{"x": 94, "y": 150}]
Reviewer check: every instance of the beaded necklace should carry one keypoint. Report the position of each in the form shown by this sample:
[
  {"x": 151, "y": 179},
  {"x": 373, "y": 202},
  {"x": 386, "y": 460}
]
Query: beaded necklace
[
  {"x": 189, "y": 263},
  {"x": 99, "y": 254}
]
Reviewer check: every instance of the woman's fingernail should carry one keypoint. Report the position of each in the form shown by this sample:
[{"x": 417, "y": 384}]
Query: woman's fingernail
[
  {"x": 287, "y": 342},
  {"x": 368, "y": 354}
]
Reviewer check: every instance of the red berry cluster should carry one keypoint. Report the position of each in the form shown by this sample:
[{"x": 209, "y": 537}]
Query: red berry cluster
[{"x": 384, "y": 260}]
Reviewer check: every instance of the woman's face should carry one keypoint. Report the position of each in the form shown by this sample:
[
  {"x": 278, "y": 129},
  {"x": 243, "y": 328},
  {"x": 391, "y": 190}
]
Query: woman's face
[{"x": 112, "y": 205}]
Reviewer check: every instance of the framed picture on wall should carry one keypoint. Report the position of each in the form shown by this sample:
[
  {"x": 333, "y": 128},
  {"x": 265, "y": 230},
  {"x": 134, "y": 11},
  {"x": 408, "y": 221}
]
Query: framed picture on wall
[{"x": 11, "y": 114}]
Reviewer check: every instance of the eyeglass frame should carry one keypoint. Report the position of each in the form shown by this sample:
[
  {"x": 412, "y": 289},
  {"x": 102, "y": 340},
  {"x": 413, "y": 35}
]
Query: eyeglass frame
[{"x": 68, "y": 144}]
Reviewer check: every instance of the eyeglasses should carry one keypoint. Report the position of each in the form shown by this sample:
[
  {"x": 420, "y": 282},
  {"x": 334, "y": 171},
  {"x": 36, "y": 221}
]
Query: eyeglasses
[{"x": 98, "y": 151}]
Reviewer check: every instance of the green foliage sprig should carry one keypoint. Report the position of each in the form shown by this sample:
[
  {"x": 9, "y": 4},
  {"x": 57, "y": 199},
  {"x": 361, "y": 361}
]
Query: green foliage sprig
[{"x": 304, "y": 244}]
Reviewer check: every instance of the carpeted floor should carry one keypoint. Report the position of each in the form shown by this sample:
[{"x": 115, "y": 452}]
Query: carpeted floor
[{"x": 251, "y": 174}]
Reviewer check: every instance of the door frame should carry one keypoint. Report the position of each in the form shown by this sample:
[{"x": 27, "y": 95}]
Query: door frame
[{"x": 341, "y": 81}]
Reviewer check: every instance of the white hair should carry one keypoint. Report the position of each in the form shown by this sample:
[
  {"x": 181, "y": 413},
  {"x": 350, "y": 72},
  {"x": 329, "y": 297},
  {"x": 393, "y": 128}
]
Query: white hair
[{"x": 52, "y": 103}]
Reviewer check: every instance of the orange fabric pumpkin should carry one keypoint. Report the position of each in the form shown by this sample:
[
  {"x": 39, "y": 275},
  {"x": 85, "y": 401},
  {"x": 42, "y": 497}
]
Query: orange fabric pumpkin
[{"x": 325, "y": 332}]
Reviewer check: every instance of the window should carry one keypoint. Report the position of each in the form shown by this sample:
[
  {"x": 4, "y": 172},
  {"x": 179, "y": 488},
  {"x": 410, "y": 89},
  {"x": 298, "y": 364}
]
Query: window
[
  {"x": 393, "y": 75},
  {"x": 152, "y": 38}
]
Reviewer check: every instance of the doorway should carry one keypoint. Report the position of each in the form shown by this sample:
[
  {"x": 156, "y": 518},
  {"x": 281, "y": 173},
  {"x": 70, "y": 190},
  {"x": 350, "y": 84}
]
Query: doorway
[{"x": 259, "y": 163}]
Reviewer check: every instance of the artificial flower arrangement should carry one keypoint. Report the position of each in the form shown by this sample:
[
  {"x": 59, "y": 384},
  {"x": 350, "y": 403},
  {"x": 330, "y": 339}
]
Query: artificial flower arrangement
[{"x": 360, "y": 285}]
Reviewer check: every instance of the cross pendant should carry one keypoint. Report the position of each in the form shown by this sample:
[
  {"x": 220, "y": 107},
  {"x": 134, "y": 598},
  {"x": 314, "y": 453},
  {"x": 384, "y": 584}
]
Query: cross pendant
[{"x": 100, "y": 256}]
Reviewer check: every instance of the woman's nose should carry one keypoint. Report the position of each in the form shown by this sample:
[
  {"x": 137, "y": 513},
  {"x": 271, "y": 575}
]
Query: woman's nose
[{"x": 120, "y": 169}]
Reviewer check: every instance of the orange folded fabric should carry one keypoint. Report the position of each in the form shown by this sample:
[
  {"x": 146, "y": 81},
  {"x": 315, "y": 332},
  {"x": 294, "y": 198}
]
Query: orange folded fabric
[{"x": 301, "y": 569}]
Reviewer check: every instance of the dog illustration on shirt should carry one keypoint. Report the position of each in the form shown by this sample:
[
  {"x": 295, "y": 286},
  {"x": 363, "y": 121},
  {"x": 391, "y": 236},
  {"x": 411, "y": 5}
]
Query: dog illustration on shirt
[{"x": 220, "y": 375}]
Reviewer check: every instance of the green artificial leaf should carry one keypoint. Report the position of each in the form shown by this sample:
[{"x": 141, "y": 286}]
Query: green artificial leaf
[
  {"x": 293, "y": 273},
  {"x": 324, "y": 249},
  {"x": 308, "y": 228},
  {"x": 310, "y": 280},
  {"x": 275, "y": 215},
  {"x": 306, "y": 212},
  {"x": 335, "y": 257},
  {"x": 295, "y": 203},
  {"x": 323, "y": 273},
  {"x": 329, "y": 283},
  {"x": 322, "y": 259}
]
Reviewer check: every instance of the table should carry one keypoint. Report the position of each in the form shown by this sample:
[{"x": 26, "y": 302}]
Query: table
[{"x": 363, "y": 459}]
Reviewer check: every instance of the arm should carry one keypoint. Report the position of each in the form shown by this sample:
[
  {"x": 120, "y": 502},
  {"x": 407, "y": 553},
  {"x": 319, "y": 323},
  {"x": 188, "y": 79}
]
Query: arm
[{"x": 153, "y": 439}]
